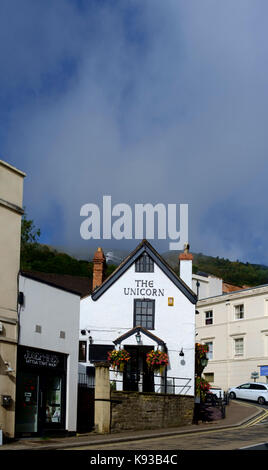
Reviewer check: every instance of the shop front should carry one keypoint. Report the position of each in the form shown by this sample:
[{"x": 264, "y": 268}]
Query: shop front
[{"x": 41, "y": 392}]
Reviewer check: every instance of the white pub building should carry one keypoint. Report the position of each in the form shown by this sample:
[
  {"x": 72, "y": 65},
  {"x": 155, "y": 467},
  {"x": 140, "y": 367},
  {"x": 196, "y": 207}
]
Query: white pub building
[{"x": 143, "y": 305}]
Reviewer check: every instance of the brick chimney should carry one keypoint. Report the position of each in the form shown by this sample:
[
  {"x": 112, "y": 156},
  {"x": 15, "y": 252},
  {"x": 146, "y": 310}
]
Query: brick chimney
[
  {"x": 186, "y": 268},
  {"x": 98, "y": 268}
]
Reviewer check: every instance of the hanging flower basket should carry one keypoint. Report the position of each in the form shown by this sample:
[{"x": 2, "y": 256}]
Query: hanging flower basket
[
  {"x": 118, "y": 359},
  {"x": 157, "y": 360},
  {"x": 201, "y": 387}
]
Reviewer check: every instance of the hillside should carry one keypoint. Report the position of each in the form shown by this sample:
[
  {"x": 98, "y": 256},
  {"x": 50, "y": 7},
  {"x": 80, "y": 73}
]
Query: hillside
[
  {"x": 37, "y": 257},
  {"x": 233, "y": 272}
]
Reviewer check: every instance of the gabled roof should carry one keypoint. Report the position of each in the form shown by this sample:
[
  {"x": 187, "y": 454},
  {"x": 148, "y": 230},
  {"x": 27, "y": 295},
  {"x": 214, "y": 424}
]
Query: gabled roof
[
  {"x": 139, "y": 329},
  {"x": 145, "y": 246}
]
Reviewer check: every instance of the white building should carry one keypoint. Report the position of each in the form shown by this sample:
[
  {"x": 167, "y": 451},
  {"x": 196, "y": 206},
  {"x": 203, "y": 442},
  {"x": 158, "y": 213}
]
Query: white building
[
  {"x": 235, "y": 326},
  {"x": 142, "y": 306},
  {"x": 205, "y": 285},
  {"x": 47, "y": 371}
]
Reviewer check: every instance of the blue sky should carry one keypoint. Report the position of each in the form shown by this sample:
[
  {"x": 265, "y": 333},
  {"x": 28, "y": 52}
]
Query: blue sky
[{"x": 146, "y": 101}]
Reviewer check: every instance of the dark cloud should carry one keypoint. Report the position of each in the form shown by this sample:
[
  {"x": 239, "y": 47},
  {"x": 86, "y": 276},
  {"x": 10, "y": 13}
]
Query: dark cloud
[{"x": 147, "y": 101}]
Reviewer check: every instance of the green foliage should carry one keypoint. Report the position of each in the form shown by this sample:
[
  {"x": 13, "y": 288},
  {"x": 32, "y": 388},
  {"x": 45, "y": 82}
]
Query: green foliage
[
  {"x": 233, "y": 272},
  {"x": 42, "y": 258}
]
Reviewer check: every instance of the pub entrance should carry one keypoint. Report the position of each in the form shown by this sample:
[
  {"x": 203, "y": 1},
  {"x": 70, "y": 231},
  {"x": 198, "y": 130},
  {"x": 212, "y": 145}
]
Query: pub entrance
[
  {"x": 136, "y": 370},
  {"x": 41, "y": 392}
]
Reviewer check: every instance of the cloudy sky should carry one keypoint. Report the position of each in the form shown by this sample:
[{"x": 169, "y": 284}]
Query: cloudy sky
[{"x": 144, "y": 100}]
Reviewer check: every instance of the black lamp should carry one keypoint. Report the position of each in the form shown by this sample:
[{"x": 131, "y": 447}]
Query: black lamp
[{"x": 138, "y": 337}]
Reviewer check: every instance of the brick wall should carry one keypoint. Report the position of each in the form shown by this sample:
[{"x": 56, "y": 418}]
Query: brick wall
[{"x": 137, "y": 411}]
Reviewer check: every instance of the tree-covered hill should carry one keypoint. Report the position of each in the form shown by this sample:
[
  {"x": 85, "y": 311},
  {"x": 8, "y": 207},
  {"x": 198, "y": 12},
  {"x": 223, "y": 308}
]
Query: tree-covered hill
[
  {"x": 42, "y": 258},
  {"x": 233, "y": 272}
]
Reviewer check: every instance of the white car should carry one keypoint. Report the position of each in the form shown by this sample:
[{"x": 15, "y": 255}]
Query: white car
[
  {"x": 217, "y": 391},
  {"x": 254, "y": 391}
]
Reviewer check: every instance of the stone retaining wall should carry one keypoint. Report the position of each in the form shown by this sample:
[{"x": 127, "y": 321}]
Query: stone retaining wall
[{"x": 132, "y": 411}]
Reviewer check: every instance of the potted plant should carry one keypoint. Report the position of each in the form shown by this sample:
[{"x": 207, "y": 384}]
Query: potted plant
[
  {"x": 118, "y": 359},
  {"x": 157, "y": 360}
]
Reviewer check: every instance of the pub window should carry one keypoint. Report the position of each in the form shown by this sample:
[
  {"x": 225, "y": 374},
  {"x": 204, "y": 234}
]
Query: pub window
[
  {"x": 144, "y": 264},
  {"x": 99, "y": 352},
  {"x": 82, "y": 351},
  {"x": 144, "y": 313}
]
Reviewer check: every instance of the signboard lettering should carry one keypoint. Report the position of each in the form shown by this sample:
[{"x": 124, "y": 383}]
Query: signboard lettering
[{"x": 144, "y": 288}]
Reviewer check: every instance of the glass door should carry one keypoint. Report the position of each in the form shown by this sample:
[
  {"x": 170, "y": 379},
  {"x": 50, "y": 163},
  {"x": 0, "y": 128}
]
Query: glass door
[
  {"x": 27, "y": 403},
  {"x": 52, "y": 406}
]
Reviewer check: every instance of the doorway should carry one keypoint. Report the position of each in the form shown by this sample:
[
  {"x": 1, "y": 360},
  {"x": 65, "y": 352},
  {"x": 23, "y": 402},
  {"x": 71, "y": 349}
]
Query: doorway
[
  {"x": 136, "y": 370},
  {"x": 41, "y": 392},
  {"x": 40, "y": 403}
]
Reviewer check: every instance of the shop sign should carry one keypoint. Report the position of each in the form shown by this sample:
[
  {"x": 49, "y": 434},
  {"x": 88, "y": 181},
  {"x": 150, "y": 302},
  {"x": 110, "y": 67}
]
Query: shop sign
[
  {"x": 41, "y": 359},
  {"x": 144, "y": 288}
]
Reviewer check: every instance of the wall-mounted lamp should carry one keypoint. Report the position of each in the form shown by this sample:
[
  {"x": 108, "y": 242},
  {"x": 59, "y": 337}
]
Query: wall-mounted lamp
[
  {"x": 90, "y": 340},
  {"x": 181, "y": 352},
  {"x": 138, "y": 337}
]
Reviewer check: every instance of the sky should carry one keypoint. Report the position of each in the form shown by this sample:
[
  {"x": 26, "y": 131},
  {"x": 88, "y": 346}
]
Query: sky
[{"x": 148, "y": 101}]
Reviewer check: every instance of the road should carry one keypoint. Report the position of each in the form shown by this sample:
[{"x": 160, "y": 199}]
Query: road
[{"x": 228, "y": 439}]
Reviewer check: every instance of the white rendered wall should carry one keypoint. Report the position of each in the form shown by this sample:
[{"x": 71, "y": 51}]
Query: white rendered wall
[
  {"x": 230, "y": 370},
  {"x": 113, "y": 314},
  {"x": 54, "y": 310}
]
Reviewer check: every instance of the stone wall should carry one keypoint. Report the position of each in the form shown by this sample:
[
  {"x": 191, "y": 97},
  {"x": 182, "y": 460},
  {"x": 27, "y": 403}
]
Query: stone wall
[{"x": 132, "y": 411}]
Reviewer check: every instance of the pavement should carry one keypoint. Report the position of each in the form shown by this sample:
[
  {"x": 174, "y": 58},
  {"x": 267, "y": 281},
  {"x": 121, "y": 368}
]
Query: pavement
[{"x": 237, "y": 414}]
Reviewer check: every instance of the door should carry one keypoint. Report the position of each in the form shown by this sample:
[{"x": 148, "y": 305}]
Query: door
[
  {"x": 27, "y": 403},
  {"x": 243, "y": 391},
  {"x": 51, "y": 410},
  {"x": 136, "y": 370}
]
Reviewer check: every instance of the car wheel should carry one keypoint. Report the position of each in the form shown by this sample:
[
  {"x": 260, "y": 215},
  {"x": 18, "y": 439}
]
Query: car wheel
[
  {"x": 261, "y": 401},
  {"x": 232, "y": 395}
]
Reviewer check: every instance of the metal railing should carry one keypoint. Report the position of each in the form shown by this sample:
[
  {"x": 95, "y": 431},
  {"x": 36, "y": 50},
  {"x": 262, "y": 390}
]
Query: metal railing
[
  {"x": 87, "y": 381},
  {"x": 141, "y": 382}
]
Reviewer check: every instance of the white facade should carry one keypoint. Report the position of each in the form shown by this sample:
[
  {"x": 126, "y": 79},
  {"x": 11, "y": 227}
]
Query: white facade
[
  {"x": 49, "y": 320},
  {"x": 111, "y": 315},
  {"x": 206, "y": 286},
  {"x": 235, "y": 325}
]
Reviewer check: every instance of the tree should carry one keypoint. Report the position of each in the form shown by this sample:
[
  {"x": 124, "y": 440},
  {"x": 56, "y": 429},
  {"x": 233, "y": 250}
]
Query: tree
[{"x": 29, "y": 233}]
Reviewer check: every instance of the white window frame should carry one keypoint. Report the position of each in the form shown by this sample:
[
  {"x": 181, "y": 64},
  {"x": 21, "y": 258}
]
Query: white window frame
[
  {"x": 210, "y": 350},
  {"x": 239, "y": 351},
  {"x": 237, "y": 314},
  {"x": 207, "y": 318}
]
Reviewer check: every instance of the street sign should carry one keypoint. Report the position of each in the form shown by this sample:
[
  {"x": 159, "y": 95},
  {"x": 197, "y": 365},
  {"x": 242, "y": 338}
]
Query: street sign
[
  {"x": 264, "y": 370},
  {"x": 254, "y": 375}
]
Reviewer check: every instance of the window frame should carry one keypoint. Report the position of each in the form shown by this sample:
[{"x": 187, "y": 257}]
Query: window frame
[
  {"x": 143, "y": 263},
  {"x": 237, "y": 315},
  {"x": 82, "y": 342},
  {"x": 135, "y": 323},
  {"x": 236, "y": 353},
  {"x": 210, "y": 350},
  {"x": 207, "y": 319}
]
